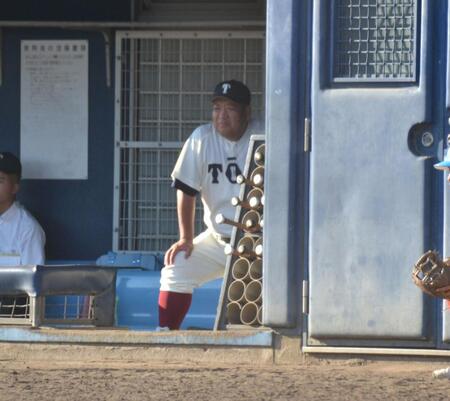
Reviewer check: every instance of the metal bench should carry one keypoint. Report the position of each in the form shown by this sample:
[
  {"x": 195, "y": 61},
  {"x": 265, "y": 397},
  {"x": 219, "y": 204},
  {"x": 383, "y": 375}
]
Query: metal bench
[{"x": 37, "y": 282}]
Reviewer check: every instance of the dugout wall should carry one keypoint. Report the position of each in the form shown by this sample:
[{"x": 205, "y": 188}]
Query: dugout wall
[{"x": 76, "y": 214}]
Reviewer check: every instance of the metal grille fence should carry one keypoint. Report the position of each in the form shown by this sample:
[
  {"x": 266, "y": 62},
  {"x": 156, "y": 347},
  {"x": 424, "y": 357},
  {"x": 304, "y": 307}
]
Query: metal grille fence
[
  {"x": 164, "y": 83},
  {"x": 69, "y": 308},
  {"x": 374, "y": 40},
  {"x": 17, "y": 307},
  {"x": 35, "y": 311}
]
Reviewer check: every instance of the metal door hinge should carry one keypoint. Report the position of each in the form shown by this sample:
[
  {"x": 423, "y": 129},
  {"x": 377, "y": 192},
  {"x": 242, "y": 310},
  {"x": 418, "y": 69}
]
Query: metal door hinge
[
  {"x": 305, "y": 297},
  {"x": 307, "y": 135}
]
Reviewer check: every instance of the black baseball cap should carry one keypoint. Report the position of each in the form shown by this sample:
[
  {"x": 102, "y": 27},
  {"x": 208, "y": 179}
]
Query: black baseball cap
[
  {"x": 233, "y": 90},
  {"x": 10, "y": 164}
]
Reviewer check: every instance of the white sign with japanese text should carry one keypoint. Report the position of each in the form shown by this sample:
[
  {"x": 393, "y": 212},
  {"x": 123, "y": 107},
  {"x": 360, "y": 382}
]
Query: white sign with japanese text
[{"x": 54, "y": 109}]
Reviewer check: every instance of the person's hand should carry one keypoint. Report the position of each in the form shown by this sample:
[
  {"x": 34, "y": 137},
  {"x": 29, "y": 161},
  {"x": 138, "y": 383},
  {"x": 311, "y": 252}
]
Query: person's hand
[{"x": 185, "y": 245}]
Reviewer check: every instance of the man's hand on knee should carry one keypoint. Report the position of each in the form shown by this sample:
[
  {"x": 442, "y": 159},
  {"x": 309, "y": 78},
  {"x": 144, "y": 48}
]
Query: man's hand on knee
[{"x": 183, "y": 245}]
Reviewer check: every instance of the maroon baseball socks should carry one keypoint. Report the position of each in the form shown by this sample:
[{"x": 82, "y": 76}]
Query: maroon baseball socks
[{"x": 173, "y": 307}]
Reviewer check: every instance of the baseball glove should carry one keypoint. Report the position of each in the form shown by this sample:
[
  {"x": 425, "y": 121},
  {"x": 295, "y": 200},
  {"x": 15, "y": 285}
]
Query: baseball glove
[{"x": 432, "y": 275}]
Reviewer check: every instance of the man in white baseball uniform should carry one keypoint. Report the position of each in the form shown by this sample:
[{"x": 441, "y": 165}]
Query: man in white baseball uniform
[{"x": 211, "y": 159}]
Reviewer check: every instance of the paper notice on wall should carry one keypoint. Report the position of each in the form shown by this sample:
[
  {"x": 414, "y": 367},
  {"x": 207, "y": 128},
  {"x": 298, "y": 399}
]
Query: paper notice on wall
[{"x": 54, "y": 109}]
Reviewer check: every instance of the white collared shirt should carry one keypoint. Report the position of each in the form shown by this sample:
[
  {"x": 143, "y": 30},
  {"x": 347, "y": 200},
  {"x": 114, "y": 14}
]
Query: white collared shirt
[{"x": 21, "y": 238}]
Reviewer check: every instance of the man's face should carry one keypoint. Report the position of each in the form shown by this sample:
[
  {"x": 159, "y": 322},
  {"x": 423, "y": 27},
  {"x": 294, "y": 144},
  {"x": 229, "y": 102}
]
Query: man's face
[
  {"x": 229, "y": 118},
  {"x": 8, "y": 190}
]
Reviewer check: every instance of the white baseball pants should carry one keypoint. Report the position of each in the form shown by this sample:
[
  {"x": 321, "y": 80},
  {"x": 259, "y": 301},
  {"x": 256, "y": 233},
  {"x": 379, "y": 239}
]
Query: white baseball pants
[{"x": 206, "y": 263}]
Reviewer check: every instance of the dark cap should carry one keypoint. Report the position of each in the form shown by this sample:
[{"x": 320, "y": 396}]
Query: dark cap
[
  {"x": 10, "y": 164},
  {"x": 233, "y": 90}
]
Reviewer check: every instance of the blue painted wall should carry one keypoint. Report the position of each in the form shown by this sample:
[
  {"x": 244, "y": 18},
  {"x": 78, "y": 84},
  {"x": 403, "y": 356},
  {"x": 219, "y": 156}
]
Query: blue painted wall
[
  {"x": 76, "y": 215},
  {"x": 66, "y": 10}
]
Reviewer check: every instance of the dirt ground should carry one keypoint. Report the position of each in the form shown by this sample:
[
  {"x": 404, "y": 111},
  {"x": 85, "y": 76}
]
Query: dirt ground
[{"x": 352, "y": 379}]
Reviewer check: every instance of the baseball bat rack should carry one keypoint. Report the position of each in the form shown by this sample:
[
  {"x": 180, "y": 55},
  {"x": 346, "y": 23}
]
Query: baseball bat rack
[{"x": 241, "y": 296}]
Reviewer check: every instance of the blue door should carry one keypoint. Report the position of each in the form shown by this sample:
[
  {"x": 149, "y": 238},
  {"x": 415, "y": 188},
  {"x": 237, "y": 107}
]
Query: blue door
[{"x": 378, "y": 122}]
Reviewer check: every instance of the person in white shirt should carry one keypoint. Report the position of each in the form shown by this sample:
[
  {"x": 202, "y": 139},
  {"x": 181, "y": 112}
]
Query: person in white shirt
[
  {"x": 22, "y": 239},
  {"x": 211, "y": 159}
]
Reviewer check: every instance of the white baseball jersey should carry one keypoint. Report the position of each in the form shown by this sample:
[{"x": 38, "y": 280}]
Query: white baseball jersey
[
  {"x": 21, "y": 238},
  {"x": 209, "y": 164}
]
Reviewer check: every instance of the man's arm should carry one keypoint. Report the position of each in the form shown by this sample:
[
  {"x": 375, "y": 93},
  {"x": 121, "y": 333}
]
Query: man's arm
[
  {"x": 32, "y": 247},
  {"x": 186, "y": 215}
]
